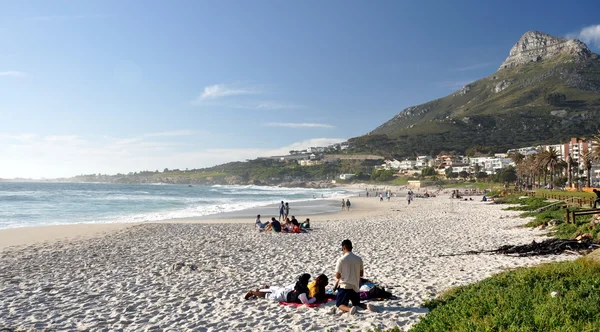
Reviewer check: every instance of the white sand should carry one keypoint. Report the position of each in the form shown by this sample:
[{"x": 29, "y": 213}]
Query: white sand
[{"x": 124, "y": 280}]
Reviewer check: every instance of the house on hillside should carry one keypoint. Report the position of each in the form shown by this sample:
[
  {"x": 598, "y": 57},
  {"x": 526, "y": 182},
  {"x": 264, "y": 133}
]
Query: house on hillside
[
  {"x": 424, "y": 161},
  {"x": 346, "y": 176}
]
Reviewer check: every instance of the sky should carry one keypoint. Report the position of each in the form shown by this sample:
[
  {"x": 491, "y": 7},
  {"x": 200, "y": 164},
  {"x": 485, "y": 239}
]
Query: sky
[{"x": 123, "y": 86}]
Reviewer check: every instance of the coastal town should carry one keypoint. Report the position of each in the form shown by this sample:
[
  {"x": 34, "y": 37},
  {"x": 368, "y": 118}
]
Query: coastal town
[{"x": 577, "y": 151}]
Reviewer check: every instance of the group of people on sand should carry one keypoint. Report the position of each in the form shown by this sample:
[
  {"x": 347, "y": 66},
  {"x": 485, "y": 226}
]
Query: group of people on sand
[
  {"x": 346, "y": 204},
  {"x": 348, "y": 273},
  {"x": 287, "y": 226}
]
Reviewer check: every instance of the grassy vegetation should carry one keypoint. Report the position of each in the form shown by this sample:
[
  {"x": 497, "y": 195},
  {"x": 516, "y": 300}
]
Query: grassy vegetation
[
  {"x": 539, "y": 192},
  {"x": 521, "y": 300},
  {"x": 563, "y": 230}
]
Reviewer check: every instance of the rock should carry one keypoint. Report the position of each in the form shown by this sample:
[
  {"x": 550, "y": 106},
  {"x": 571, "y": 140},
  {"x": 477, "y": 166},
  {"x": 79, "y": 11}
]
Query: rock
[
  {"x": 502, "y": 85},
  {"x": 554, "y": 222},
  {"x": 535, "y": 46}
]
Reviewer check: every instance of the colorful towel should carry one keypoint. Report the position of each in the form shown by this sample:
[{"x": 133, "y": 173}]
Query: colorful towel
[{"x": 312, "y": 305}]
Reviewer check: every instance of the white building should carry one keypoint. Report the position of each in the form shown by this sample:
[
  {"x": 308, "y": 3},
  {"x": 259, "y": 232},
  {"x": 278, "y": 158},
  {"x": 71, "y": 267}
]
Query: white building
[
  {"x": 407, "y": 164},
  {"x": 424, "y": 161},
  {"x": 346, "y": 176}
]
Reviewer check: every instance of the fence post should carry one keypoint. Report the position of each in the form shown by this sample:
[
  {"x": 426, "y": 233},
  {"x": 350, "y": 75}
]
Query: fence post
[
  {"x": 567, "y": 215},
  {"x": 573, "y": 216}
]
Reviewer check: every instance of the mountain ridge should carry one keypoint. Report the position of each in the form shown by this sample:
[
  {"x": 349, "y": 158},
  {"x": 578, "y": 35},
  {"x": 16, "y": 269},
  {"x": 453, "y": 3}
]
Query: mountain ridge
[{"x": 547, "y": 89}]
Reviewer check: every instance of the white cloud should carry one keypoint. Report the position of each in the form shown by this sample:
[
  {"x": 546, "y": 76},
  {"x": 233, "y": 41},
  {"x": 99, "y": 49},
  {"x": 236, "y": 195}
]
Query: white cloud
[
  {"x": 589, "y": 35},
  {"x": 298, "y": 125},
  {"x": 55, "y": 156},
  {"x": 52, "y": 18},
  {"x": 217, "y": 91},
  {"x": 19, "y": 137},
  {"x": 12, "y": 73},
  {"x": 273, "y": 105}
]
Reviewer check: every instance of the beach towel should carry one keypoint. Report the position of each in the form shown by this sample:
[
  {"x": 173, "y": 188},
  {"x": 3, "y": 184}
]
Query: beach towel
[{"x": 312, "y": 305}]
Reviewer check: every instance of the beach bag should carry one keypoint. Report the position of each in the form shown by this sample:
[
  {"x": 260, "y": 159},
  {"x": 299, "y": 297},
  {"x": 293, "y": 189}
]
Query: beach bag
[
  {"x": 377, "y": 292},
  {"x": 296, "y": 229}
]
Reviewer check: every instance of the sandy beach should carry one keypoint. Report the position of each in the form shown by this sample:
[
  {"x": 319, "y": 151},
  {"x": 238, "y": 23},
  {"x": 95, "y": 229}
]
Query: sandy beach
[{"x": 122, "y": 276}]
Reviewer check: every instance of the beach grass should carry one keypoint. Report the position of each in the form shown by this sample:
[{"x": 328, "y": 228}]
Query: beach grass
[
  {"x": 530, "y": 205},
  {"x": 522, "y": 300},
  {"x": 567, "y": 193}
]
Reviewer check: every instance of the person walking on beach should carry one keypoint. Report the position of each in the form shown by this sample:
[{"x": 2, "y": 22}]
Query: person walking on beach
[
  {"x": 281, "y": 211},
  {"x": 409, "y": 196},
  {"x": 348, "y": 204},
  {"x": 343, "y": 204},
  {"x": 348, "y": 271},
  {"x": 287, "y": 209}
]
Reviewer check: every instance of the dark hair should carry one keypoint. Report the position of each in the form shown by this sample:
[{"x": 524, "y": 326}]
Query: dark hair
[
  {"x": 322, "y": 280},
  {"x": 258, "y": 216},
  {"x": 303, "y": 279},
  {"x": 347, "y": 245}
]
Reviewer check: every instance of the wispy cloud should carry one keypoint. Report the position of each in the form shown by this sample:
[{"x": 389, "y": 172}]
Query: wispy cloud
[
  {"x": 454, "y": 84},
  {"x": 217, "y": 91},
  {"x": 474, "y": 66},
  {"x": 51, "y": 18},
  {"x": 140, "y": 138},
  {"x": 274, "y": 105},
  {"x": 298, "y": 125},
  {"x": 69, "y": 155},
  {"x": 589, "y": 35},
  {"x": 12, "y": 73}
]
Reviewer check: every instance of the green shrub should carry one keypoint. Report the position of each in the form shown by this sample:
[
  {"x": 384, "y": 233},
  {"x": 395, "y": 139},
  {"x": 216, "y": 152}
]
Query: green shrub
[{"x": 520, "y": 300}]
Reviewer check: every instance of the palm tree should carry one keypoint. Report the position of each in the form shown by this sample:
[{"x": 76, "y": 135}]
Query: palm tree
[
  {"x": 570, "y": 164},
  {"x": 586, "y": 161},
  {"x": 551, "y": 159},
  {"x": 516, "y": 157}
]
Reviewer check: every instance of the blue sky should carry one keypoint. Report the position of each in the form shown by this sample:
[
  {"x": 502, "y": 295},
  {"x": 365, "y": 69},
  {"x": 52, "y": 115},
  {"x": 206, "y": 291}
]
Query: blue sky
[{"x": 120, "y": 86}]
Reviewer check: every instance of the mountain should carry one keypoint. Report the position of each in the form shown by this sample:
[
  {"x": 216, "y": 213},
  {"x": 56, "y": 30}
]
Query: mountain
[{"x": 547, "y": 90}]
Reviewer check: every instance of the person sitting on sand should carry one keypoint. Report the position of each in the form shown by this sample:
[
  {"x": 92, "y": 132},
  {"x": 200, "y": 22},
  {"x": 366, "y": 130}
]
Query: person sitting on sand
[
  {"x": 259, "y": 224},
  {"x": 274, "y": 226},
  {"x": 316, "y": 288},
  {"x": 297, "y": 293},
  {"x": 306, "y": 223},
  {"x": 295, "y": 221},
  {"x": 348, "y": 271},
  {"x": 288, "y": 227}
]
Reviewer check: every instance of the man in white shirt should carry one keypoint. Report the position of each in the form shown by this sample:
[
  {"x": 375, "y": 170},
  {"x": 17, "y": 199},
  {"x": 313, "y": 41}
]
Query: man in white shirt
[{"x": 349, "y": 269}]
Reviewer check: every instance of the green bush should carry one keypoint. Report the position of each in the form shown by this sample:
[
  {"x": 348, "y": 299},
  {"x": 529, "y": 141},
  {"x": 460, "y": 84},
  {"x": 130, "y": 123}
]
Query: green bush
[{"x": 521, "y": 300}]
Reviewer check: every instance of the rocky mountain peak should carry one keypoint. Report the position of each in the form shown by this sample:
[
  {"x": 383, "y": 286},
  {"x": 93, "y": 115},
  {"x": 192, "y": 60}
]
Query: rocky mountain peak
[{"x": 535, "y": 46}]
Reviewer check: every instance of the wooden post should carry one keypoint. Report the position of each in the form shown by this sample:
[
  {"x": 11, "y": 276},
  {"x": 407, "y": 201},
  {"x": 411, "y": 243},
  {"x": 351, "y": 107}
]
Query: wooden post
[
  {"x": 567, "y": 216},
  {"x": 573, "y": 216}
]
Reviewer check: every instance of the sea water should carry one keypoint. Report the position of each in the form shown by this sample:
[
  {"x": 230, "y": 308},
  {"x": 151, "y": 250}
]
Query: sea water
[{"x": 24, "y": 204}]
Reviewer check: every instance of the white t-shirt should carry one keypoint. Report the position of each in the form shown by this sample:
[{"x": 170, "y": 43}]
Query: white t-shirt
[{"x": 349, "y": 266}]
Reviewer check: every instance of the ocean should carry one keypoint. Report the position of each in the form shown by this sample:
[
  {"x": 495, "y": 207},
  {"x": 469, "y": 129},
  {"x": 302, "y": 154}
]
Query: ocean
[{"x": 24, "y": 204}]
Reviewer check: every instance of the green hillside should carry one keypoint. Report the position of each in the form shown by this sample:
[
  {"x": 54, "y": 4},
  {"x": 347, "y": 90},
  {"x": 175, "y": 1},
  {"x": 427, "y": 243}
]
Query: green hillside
[{"x": 543, "y": 101}]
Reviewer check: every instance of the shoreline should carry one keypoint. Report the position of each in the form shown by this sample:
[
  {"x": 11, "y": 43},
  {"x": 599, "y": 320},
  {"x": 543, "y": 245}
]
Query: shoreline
[{"x": 30, "y": 235}]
